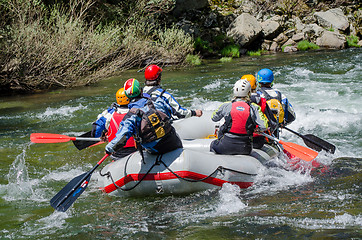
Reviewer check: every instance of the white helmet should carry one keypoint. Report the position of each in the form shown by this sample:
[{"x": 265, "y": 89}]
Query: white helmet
[{"x": 242, "y": 88}]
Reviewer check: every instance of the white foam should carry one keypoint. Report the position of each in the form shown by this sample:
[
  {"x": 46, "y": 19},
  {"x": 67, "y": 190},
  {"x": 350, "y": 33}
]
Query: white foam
[{"x": 62, "y": 112}]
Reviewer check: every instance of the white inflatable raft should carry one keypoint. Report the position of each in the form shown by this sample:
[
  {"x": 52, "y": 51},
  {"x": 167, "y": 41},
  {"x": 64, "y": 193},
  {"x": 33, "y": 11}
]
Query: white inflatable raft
[{"x": 183, "y": 171}]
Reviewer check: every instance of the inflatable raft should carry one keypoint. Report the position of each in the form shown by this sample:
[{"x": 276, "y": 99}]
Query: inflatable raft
[{"x": 183, "y": 171}]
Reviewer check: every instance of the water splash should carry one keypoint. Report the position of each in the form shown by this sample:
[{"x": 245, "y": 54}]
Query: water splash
[
  {"x": 62, "y": 112},
  {"x": 19, "y": 186},
  {"x": 230, "y": 201}
]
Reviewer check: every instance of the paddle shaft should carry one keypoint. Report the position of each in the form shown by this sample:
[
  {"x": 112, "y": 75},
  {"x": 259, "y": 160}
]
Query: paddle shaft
[{"x": 85, "y": 139}]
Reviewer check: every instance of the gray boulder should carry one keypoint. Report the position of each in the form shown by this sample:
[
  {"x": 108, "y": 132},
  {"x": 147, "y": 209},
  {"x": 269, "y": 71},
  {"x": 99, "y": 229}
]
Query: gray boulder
[
  {"x": 244, "y": 29},
  {"x": 331, "y": 40},
  {"x": 270, "y": 29},
  {"x": 298, "y": 37},
  {"x": 332, "y": 18}
]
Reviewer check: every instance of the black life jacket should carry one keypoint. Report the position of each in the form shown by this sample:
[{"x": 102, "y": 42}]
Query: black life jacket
[{"x": 154, "y": 125}]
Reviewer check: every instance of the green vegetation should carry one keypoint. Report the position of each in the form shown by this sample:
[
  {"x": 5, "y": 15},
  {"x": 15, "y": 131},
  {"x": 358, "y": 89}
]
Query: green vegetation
[
  {"x": 258, "y": 52},
  {"x": 226, "y": 59},
  {"x": 352, "y": 41},
  {"x": 230, "y": 51},
  {"x": 331, "y": 29},
  {"x": 46, "y": 46},
  {"x": 305, "y": 45},
  {"x": 193, "y": 60},
  {"x": 202, "y": 45}
]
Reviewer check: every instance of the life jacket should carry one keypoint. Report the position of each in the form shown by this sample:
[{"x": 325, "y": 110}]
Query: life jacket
[
  {"x": 262, "y": 104},
  {"x": 113, "y": 128},
  {"x": 239, "y": 121},
  {"x": 154, "y": 123},
  {"x": 275, "y": 105}
]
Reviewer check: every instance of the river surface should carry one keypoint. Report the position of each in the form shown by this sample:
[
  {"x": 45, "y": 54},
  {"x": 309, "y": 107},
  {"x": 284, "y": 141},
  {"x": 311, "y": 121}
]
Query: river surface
[{"x": 325, "y": 90}]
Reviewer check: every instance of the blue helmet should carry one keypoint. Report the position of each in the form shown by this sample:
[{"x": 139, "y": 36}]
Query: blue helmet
[{"x": 265, "y": 76}]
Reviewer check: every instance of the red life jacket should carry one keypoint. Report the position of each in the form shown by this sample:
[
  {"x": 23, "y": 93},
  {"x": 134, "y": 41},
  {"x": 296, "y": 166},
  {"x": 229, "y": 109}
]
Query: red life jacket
[
  {"x": 240, "y": 113},
  {"x": 262, "y": 104},
  {"x": 113, "y": 128}
]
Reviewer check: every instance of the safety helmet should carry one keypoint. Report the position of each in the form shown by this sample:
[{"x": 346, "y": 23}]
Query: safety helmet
[
  {"x": 121, "y": 97},
  {"x": 152, "y": 72},
  {"x": 265, "y": 76},
  {"x": 242, "y": 88},
  {"x": 251, "y": 79},
  {"x": 132, "y": 88}
]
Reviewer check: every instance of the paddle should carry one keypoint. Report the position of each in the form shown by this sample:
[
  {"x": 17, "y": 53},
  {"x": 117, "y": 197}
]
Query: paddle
[
  {"x": 315, "y": 142},
  {"x": 80, "y": 142},
  {"x": 67, "y": 196},
  {"x": 301, "y": 152}
]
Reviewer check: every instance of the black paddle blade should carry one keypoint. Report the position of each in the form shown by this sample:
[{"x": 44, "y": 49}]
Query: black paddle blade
[
  {"x": 67, "y": 196},
  {"x": 84, "y": 144},
  {"x": 318, "y": 144}
]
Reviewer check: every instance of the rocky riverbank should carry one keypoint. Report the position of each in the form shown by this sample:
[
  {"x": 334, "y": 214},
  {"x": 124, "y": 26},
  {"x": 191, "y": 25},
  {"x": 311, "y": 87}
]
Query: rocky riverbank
[
  {"x": 47, "y": 45},
  {"x": 271, "y": 25}
]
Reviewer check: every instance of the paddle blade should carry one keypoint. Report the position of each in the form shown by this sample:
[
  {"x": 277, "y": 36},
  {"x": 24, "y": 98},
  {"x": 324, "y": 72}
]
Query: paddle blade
[
  {"x": 67, "y": 196},
  {"x": 48, "y": 138},
  {"x": 299, "y": 151},
  {"x": 318, "y": 144},
  {"x": 84, "y": 144}
]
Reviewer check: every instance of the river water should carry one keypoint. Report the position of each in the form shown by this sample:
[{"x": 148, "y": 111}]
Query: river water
[{"x": 325, "y": 90}]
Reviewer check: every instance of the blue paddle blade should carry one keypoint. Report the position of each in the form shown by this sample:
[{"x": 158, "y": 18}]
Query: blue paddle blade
[{"x": 67, "y": 196}]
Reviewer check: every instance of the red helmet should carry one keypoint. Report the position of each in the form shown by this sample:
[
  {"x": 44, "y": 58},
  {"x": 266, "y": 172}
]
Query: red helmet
[{"x": 152, "y": 72}]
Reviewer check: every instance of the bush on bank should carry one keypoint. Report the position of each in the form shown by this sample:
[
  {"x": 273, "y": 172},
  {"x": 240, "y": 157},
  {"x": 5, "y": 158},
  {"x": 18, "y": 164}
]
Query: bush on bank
[{"x": 49, "y": 46}]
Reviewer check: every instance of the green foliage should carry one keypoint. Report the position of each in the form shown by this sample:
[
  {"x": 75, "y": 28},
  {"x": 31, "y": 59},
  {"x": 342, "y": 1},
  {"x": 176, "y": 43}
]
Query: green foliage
[
  {"x": 193, "y": 60},
  {"x": 50, "y": 46},
  {"x": 352, "y": 41},
  {"x": 331, "y": 29},
  {"x": 254, "y": 53},
  {"x": 201, "y": 45},
  {"x": 259, "y": 52},
  {"x": 226, "y": 59},
  {"x": 305, "y": 45},
  {"x": 231, "y": 51}
]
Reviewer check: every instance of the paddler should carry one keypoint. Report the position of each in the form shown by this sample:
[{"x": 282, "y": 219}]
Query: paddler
[
  {"x": 259, "y": 140},
  {"x": 153, "y": 88},
  {"x": 242, "y": 118},
  {"x": 280, "y": 106},
  {"x": 108, "y": 121},
  {"x": 149, "y": 125}
]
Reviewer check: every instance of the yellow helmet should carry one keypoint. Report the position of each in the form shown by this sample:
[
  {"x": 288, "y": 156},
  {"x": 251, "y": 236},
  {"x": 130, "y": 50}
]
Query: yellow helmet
[
  {"x": 121, "y": 97},
  {"x": 251, "y": 79}
]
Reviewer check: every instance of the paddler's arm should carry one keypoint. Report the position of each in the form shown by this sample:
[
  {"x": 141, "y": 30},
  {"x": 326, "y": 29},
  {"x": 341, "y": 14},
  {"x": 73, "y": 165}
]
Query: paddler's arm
[
  {"x": 260, "y": 118},
  {"x": 219, "y": 113}
]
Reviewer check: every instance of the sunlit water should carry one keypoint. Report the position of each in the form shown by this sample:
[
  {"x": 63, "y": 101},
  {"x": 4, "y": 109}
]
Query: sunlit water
[{"x": 324, "y": 88}]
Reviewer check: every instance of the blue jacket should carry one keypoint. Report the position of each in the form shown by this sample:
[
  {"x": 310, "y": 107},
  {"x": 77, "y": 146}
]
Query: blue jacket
[
  {"x": 131, "y": 125},
  {"x": 180, "y": 112},
  {"x": 103, "y": 119}
]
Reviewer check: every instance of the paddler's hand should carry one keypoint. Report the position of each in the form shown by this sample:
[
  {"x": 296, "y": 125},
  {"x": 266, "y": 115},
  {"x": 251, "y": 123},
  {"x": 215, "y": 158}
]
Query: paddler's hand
[
  {"x": 257, "y": 131},
  {"x": 104, "y": 136},
  {"x": 198, "y": 113}
]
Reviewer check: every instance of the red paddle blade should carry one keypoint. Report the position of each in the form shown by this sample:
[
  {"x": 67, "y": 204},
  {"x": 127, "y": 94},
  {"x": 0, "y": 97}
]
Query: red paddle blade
[
  {"x": 299, "y": 151},
  {"x": 48, "y": 138}
]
